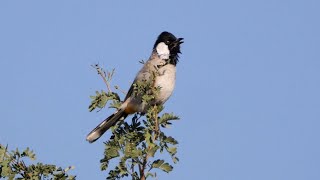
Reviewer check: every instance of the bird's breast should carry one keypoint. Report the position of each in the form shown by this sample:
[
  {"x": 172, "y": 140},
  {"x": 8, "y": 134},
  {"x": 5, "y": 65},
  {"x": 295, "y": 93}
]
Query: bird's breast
[{"x": 166, "y": 81}]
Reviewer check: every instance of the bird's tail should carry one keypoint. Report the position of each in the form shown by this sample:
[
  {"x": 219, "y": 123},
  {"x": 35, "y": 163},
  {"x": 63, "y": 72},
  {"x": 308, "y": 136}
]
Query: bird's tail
[{"x": 97, "y": 132}]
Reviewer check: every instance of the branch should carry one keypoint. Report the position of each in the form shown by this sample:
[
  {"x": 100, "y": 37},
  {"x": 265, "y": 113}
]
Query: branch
[
  {"x": 121, "y": 90},
  {"x": 154, "y": 136},
  {"x": 103, "y": 75}
]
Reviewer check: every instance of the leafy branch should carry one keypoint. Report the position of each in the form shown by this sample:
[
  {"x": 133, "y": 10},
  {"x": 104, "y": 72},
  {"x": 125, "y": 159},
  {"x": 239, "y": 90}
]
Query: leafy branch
[
  {"x": 13, "y": 166},
  {"x": 136, "y": 145},
  {"x": 101, "y": 98}
]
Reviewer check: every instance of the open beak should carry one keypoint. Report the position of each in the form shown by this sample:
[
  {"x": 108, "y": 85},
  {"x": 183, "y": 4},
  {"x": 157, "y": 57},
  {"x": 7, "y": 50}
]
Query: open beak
[
  {"x": 176, "y": 45},
  {"x": 180, "y": 41}
]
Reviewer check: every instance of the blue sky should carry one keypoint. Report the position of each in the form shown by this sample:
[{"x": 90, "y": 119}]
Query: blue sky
[{"x": 247, "y": 85}]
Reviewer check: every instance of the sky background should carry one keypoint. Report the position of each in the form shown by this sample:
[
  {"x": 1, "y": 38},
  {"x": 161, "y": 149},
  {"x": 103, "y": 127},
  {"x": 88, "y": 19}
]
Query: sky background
[{"x": 247, "y": 92}]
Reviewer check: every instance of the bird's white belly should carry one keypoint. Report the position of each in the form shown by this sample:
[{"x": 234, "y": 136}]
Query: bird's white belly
[{"x": 166, "y": 81}]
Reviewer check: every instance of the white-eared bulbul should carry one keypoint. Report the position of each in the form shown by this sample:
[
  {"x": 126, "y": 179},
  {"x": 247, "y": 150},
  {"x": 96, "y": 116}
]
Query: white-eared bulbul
[{"x": 163, "y": 61}]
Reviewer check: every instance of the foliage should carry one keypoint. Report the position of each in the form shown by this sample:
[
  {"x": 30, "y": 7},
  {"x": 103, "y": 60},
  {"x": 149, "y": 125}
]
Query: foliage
[
  {"x": 13, "y": 166},
  {"x": 136, "y": 145}
]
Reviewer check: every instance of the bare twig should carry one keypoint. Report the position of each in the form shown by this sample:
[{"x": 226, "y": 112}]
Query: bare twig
[
  {"x": 106, "y": 78},
  {"x": 141, "y": 170},
  {"x": 132, "y": 169},
  {"x": 121, "y": 90}
]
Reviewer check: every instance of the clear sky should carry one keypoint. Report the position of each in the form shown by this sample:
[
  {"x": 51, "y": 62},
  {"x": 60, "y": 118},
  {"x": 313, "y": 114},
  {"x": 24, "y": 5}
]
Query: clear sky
[{"x": 248, "y": 82}]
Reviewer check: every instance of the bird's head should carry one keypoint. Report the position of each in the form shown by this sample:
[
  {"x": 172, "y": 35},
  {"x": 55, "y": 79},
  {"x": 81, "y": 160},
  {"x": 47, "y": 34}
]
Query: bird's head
[{"x": 167, "y": 47}]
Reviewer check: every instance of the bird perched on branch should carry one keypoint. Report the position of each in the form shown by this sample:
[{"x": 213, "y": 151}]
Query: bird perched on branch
[{"x": 162, "y": 62}]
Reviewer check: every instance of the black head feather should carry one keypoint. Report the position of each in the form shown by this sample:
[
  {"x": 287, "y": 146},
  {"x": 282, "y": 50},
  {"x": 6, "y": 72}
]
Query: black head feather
[{"x": 173, "y": 44}]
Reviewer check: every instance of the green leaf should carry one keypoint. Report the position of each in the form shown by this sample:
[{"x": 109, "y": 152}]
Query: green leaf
[
  {"x": 136, "y": 153},
  {"x": 111, "y": 152},
  {"x": 148, "y": 138},
  {"x": 166, "y": 167},
  {"x": 172, "y": 150},
  {"x": 170, "y": 140},
  {"x": 150, "y": 174},
  {"x": 175, "y": 159},
  {"x": 157, "y": 163},
  {"x": 5, "y": 171},
  {"x": 167, "y": 117},
  {"x": 152, "y": 151},
  {"x": 122, "y": 166}
]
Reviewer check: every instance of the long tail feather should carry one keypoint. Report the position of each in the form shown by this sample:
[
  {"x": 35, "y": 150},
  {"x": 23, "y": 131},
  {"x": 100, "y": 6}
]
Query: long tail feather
[{"x": 97, "y": 132}]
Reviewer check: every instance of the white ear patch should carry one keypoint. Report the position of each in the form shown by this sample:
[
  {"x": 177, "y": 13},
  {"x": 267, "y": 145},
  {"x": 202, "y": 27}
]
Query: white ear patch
[{"x": 163, "y": 50}]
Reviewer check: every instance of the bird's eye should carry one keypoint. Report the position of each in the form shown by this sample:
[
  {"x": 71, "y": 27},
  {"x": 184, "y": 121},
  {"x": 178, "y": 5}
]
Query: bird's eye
[{"x": 167, "y": 42}]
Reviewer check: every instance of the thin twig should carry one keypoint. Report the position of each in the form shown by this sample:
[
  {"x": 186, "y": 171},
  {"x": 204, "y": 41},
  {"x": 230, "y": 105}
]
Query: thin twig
[
  {"x": 132, "y": 169},
  {"x": 155, "y": 116},
  {"x": 141, "y": 171},
  {"x": 121, "y": 90},
  {"x": 103, "y": 76}
]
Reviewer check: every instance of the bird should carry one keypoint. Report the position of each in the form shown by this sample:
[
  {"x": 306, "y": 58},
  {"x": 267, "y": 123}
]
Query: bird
[{"x": 163, "y": 61}]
